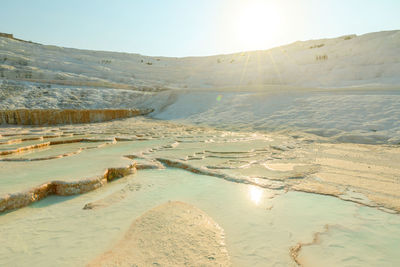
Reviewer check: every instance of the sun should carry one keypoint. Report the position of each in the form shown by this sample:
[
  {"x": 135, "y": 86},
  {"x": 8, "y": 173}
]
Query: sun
[{"x": 257, "y": 23}]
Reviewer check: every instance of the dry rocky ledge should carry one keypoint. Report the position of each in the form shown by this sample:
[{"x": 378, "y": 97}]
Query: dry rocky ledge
[
  {"x": 65, "y": 116},
  {"x": 62, "y": 188}
]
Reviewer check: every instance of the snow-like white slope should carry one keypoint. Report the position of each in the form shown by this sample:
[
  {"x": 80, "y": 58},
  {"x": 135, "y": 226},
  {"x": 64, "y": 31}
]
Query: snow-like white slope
[
  {"x": 345, "y": 61},
  {"x": 361, "y": 115},
  {"x": 27, "y": 95},
  {"x": 260, "y": 90},
  {"x": 349, "y": 115}
]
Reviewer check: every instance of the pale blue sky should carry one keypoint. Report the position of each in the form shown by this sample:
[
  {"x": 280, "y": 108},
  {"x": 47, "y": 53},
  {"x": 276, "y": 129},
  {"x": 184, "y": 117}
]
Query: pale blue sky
[{"x": 191, "y": 27}]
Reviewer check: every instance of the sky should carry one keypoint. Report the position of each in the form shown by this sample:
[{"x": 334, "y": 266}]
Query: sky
[{"x": 191, "y": 27}]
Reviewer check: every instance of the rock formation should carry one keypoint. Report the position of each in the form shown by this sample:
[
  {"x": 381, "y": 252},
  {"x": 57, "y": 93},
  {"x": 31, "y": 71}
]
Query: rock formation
[
  {"x": 66, "y": 116},
  {"x": 172, "y": 234},
  {"x": 62, "y": 188}
]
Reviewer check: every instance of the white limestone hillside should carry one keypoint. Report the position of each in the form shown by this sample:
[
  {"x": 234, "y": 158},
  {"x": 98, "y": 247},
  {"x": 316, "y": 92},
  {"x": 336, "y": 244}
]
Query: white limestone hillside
[
  {"x": 344, "y": 61},
  {"x": 347, "y": 88},
  {"x": 359, "y": 115}
]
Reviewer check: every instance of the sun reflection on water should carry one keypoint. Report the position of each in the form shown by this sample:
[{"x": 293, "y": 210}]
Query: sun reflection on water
[{"x": 256, "y": 194}]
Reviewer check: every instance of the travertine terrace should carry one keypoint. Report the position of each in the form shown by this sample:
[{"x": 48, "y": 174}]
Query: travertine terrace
[
  {"x": 108, "y": 165},
  {"x": 65, "y": 116}
]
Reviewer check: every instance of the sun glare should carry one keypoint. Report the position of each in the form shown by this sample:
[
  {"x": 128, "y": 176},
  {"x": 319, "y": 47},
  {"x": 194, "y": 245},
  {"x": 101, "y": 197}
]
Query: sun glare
[
  {"x": 257, "y": 24},
  {"x": 256, "y": 194}
]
